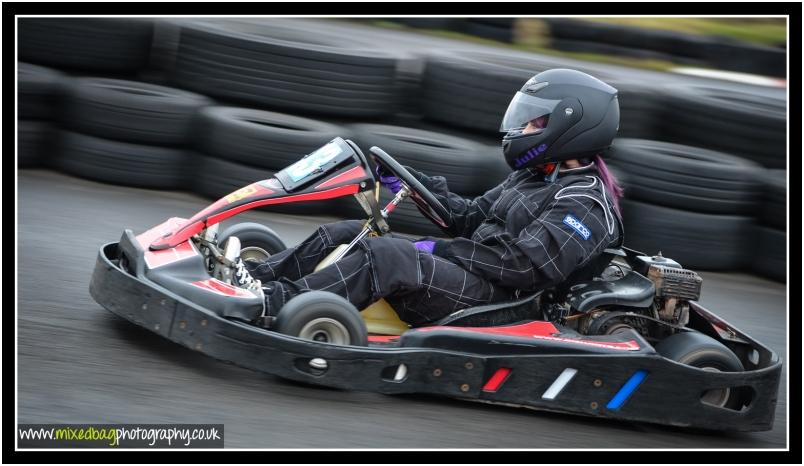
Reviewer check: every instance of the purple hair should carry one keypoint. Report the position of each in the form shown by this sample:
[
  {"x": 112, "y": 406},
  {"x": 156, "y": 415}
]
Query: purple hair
[{"x": 613, "y": 188}]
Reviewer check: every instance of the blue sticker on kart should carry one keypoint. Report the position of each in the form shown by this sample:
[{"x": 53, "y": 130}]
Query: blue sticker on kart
[{"x": 578, "y": 226}]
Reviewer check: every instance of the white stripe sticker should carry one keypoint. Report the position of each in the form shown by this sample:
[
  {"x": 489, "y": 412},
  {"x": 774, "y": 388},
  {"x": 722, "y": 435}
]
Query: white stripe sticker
[{"x": 559, "y": 383}]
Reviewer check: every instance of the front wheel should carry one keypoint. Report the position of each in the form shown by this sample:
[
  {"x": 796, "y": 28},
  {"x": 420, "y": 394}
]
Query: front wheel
[
  {"x": 257, "y": 241},
  {"x": 324, "y": 317},
  {"x": 704, "y": 352}
]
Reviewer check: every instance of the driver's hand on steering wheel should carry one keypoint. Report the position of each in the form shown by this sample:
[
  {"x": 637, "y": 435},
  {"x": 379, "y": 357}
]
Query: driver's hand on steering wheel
[{"x": 388, "y": 180}]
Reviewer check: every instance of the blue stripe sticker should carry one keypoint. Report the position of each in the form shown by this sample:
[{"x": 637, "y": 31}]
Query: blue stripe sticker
[{"x": 630, "y": 387}]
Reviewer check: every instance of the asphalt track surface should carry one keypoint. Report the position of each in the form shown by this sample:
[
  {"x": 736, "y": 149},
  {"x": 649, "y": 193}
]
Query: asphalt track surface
[{"x": 78, "y": 363}]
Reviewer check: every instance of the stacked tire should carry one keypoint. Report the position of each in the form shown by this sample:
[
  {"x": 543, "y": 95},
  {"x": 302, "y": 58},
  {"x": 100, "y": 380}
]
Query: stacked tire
[
  {"x": 770, "y": 229},
  {"x": 127, "y": 133},
  {"x": 740, "y": 122},
  {"x": 472, "y": 90},
  {"x": 576, "y": 35},
  {"x": 276, "y": 67},
  {"x": 115, "y": 45},
  {"x": 498, "y": 29},
  {"x": 640, "y": 108},
  {"x": 39, "y": 91},
  {"x": 693, "y": 205}
]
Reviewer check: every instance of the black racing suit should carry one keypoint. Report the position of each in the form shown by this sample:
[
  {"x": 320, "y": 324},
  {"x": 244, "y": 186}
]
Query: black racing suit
[{"x": 522, "y": 236}]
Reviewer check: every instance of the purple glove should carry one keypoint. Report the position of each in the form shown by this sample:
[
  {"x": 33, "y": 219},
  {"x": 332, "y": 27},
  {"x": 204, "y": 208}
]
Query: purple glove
[
  {"x": 391, "y": 182},
  {"x": 425, "y": 246}
]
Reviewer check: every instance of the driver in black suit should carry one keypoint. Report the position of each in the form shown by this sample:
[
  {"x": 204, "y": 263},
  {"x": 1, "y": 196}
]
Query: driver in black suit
[{"x": 556, "y": 212}]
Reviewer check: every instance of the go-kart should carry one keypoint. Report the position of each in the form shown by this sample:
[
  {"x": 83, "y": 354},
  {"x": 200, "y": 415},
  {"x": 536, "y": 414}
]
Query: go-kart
[{"x": 623, "y": 338}]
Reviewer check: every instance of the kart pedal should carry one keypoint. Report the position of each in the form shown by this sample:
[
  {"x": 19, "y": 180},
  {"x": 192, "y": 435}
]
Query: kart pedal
[{"x": 265, "y": 322}]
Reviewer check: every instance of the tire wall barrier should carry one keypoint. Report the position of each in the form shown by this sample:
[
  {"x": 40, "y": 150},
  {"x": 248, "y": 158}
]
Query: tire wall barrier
[
  {"x": 498, "y": 29},
  {"x": 708, "y": 210},
  {"x": 244, "y": 101},
  {"x": 574, "y": 35}
]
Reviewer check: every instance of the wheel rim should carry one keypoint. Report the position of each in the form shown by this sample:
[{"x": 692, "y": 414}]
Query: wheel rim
[
  {"x": 325, "y": 330},
  {"x": 716, "y": 397},
  {"x": 254, "y": 252}
]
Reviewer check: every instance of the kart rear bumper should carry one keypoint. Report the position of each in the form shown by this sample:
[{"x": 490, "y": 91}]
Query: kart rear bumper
[{"x": 670, "y": 393}]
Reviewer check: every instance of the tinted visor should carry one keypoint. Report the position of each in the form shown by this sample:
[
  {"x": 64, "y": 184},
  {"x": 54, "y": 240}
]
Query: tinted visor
[{"x": 524, "y": 108}]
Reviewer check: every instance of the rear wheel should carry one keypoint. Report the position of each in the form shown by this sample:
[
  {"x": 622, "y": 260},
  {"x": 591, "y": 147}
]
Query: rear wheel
[
  {"x": 324, "y": 317},
  {"x": 257, "y": 241},
  {"x": 701, "y": 351}
]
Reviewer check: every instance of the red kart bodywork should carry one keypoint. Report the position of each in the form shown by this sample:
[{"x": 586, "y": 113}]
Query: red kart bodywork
[{"x": 350, "y": 181}]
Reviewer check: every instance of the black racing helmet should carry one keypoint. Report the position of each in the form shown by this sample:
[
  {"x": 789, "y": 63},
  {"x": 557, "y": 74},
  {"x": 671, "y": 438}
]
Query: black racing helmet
[{"x": 571, "y": 115}]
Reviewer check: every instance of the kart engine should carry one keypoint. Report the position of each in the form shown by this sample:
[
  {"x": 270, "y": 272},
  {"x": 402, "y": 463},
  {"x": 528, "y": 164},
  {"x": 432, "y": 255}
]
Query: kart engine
[{"x": 674, "y": 288}]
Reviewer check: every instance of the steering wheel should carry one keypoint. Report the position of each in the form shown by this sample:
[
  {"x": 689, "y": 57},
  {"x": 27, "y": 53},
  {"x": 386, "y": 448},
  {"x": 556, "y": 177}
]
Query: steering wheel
[{"x": 424, "y": 199}]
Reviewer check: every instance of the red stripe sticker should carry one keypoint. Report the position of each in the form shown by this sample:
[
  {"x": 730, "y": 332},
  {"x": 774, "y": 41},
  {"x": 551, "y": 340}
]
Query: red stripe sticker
[{"x": 497, "y": 379}]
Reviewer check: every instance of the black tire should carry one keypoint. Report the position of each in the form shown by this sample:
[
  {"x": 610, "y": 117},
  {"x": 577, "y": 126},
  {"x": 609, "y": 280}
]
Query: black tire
[
  {"x": 322, "y": 316},
  {"x": 427, "y": 23},
  {"x": 704, "y": 352},
  {"x": 461, "y": 161},
  {"x": 478, "y": 28},
  {"x": 747, "y": 58},
  {"x": 748, "y": 124},
  {"x": 214, "y": 178},
  {"x": 576, "y": 29},
  {"x": 271, "y": 64},
  {"x": 668, "y": 43},
  {"x": 640, "y": 108},
  {"x": 770, "y": 253},
  {"x": 696, "y": 240},
  {"x": 257, "y": 241},
  {"x": 131, "y": 111},
  {"x": 631, "y": 51},
  {"x": 99, "y": 44},
  {"x": 497, "y": 22},
  {"x": 38, "y": 91},
  {"x": 122, "y": 163},
  {"x": 774, "y": 205},
  {"x": 34, "y": 140},
  {"x": 262, "y": 139},
  {"x": 686, "y": 177},
  {"x": 283, "y": 38}
]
